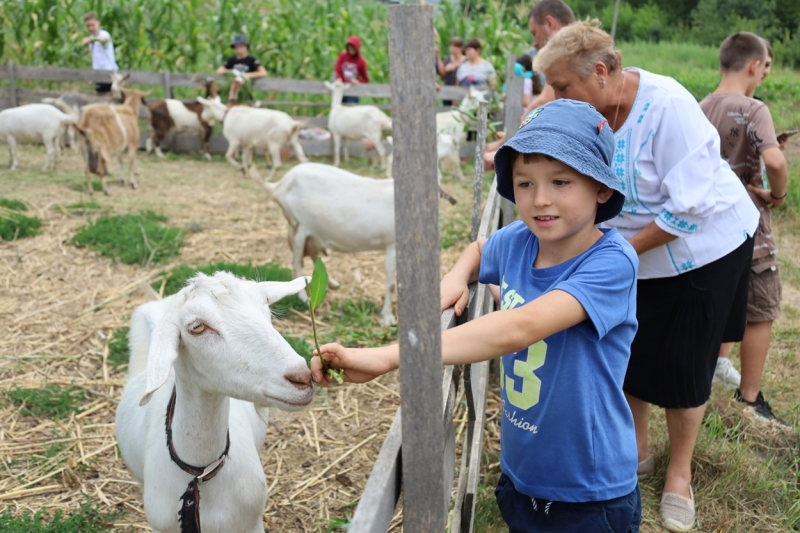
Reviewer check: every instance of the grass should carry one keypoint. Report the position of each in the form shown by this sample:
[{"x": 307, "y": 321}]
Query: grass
[
  {"x": 84, "y": 208},
  {"x": 353, "y": 323},
  {"x": 88, "y": 519},
  {"x": 15, "y": 225},
  {"x": 173, "y": 280},
  {"x": 49, "y": 402},
  {"x": 132, "y": 239},
  {"x": 301, "y": 345},
  {"x": 118, "y": 353}
]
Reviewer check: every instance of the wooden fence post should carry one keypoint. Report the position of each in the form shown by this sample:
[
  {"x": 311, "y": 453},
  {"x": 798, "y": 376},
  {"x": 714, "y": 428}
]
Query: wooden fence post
[
  {"x": 411, "y": 52},
  {"x": 480, "y": 148},
  {"x": 511, "y": 120},
  {"x": 167, "y": 84},
  {"x": 12, "y": 84}
]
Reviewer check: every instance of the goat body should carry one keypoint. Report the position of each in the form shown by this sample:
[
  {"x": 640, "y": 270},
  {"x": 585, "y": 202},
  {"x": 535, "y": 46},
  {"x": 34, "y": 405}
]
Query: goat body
[
  {"x": 225, "y": 377},
  {"x": 331, "y": 209},
  {"x": 34, "y": 123},
  {"x": 248, "y": 128},
  {"x": 179, "y": 116},
  {"x": 451, "y": 129}
]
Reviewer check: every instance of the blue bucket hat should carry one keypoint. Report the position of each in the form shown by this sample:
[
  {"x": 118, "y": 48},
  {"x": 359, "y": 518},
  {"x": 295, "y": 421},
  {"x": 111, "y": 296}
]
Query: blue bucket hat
[
  {"x": 571, "y": 132},
  {"x": 239, "y": 39}
]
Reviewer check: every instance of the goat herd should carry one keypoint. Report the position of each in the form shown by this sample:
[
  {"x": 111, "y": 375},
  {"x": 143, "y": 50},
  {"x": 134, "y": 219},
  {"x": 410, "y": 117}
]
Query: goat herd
[{"x": 216, "y": 407}]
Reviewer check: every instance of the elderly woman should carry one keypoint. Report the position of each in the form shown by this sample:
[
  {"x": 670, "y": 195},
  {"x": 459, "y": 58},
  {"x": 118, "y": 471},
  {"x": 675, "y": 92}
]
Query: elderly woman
[
  {"x": 691, "y": 222},
  {"x": 476, "y": 71}
]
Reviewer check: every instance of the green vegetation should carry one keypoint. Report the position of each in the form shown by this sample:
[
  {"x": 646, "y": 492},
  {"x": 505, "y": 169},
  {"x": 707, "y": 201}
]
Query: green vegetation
[
  {"x": 88, "y": 519},
  {"x": 50, "y": 402},
  {"x": 174, "y": 280},
  {"x": 118, "y": 353},
  {"x": 353, "y": 323},
  {"x": 301, "y": 346},
  {"x": 131, "y": 239},
  {"x": 13, "y": 224},
  {"x": 85, "y": 208}
]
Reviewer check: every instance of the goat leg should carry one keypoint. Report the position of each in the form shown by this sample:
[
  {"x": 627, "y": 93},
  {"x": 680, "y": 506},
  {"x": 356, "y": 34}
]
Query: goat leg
[{"x": 446, "y": 196}]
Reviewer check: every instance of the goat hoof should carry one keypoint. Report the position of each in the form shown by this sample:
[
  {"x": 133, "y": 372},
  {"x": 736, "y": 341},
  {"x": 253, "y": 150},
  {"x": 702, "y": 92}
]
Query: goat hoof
[
  {"x": 389, "y": 320},
  {"x": 105, "y": 191},
  {"x": 134, "y": 186},
  {"x": 207, "y": 156}
]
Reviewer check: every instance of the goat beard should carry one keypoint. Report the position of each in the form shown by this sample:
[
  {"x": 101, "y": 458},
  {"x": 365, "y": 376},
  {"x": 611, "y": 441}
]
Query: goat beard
[{"x": 263, "y": 414}]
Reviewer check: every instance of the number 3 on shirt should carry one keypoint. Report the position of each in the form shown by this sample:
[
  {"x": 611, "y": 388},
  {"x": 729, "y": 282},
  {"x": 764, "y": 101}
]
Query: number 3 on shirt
[{"x": 531, "y": 384}]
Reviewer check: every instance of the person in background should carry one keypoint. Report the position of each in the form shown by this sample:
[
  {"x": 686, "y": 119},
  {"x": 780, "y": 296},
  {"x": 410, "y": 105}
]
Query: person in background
[
  {"x": 748, "y": 136},
  {"x": 545, "y": 19},
  {"x": 351, "y": 67},
  {"x": 102, "y": 49},
  {"x": 692, "y": 224},
  {"x": 448, "y": 66},
  {"x": 250, "y": 67},
  {"x": 476, "y": 71}
]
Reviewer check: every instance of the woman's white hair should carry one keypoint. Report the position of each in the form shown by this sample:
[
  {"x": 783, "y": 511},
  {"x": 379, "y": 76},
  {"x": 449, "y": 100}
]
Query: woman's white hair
[{"x": 582, "y": 44}]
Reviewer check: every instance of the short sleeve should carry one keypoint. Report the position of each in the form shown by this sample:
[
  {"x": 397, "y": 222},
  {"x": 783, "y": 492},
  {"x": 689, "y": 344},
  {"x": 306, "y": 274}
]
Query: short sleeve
[
  {"x": 229, "y": 63},
  {"x": 763, "y": 130},
  {"x": 256, "y": 64},
  {"x": 604, "y": 285},
  {"x": 686, "y": 150},
  {"x": 527, "y": 86},
  {"x": 490, "y": 72},
  {"x": 495, "y": 251}
]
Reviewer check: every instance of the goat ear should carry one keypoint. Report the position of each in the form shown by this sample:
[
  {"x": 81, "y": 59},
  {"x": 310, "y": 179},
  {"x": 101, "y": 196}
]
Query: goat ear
[
  {"x": 163, "y": 352},
  {"x": 277, "y": 290},
  {"x": 328, "y": 85},
  {"x": 202, "y": 100}
]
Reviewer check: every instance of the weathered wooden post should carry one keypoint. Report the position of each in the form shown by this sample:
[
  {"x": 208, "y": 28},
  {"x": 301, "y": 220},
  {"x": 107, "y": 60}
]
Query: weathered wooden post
[
  {"x": 511, "y": 120},
  {"x": 411, "y": 49},
  {"x": 477, "y": 189},
  {"x": 167, "y": 84},
  {"x": 12, "y": 84}
]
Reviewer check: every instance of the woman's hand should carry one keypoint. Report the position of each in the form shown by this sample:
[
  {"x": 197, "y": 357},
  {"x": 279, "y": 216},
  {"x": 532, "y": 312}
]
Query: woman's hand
[
  {"x": 766, "y": 195},
  {"x": 453, "y": 293},
  {"x": 359, "y": 365}
]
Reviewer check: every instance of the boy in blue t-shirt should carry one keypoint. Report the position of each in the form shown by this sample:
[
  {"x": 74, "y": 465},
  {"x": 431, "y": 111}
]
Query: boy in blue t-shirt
[{"x": 567, "y": 320}]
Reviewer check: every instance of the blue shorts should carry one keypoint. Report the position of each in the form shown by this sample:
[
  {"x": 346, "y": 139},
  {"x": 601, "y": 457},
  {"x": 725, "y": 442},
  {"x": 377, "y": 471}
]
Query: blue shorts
[{"x": 524, "y": 514}]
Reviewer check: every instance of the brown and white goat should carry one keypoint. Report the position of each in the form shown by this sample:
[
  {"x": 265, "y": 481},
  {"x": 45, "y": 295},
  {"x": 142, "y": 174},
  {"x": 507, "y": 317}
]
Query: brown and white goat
[
  {"x": 179, "y": 116},
  {"x": 111, "y": 129}
]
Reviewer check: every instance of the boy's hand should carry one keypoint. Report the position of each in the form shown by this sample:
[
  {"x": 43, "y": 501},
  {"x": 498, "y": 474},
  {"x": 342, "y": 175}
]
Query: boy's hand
[
  {"x": 766, "y": 195},
  {"x": 87, "y": 40},
  {"x": 359, "y": 365},
  {"x": 453, "y": 293}
]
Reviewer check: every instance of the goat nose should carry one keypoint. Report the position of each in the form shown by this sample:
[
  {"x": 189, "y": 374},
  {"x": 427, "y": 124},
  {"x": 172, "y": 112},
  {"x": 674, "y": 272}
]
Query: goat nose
[{"x": 301, "y": 380}]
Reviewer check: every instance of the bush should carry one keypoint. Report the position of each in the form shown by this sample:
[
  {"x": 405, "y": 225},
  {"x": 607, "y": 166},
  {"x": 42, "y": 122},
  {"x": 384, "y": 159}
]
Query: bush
[
  {"x": 131, "y": 239},
  {"x": 13, "y": 224},
  {"x": 174, "y": 280}
]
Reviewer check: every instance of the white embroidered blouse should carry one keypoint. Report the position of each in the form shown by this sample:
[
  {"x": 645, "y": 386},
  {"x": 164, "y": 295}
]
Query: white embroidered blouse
[{"x": 668, "y": 158}]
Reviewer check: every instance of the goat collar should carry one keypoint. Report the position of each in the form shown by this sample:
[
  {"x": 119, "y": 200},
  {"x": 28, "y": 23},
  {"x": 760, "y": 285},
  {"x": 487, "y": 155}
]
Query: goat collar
[{"x": 189, "y": 514}]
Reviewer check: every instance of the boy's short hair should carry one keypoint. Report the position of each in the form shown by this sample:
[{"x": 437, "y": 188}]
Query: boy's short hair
[
  {"x": 769, "y": 48},
  {"x": 457, "y": 41},
  {"x": 473, "y": 43},
  {"x": 91, "y": 15},
  {"x": 739, "y": 49},
  {"x": 554, "y": 8}
]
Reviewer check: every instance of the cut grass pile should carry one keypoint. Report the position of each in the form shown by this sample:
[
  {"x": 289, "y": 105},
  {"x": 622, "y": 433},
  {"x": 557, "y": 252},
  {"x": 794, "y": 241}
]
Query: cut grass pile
[
  {"x": 133, "y": 239},
  {"x": 88, "y": 519},
  {"x": 173, "y": 280},
  {"x": 13, "y": 223},
  {"x": 49, "y": 402}
]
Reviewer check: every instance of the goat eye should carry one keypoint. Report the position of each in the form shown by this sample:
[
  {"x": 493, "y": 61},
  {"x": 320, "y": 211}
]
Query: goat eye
[{"x": 198, "y": 328}]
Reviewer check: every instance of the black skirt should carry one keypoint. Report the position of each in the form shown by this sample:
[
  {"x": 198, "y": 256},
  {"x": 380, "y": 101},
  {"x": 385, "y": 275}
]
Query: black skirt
[{"x": 683, "y": 320}]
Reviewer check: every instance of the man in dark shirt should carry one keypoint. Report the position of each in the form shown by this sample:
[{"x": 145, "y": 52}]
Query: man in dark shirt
[{"x": 248, "y": 66}]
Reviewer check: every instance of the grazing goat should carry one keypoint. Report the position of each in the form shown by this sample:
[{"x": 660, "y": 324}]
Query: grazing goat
[
  {"x": 451, "y": 127},
  {"x": 249, "y": 128},
  {"x": 209, "y": 361},
  {"x": 179, "y": 116},
  {"x": 35, "y": 123},
  {"x": 110, "y": 129},
  {"x": 356, "y": 123},
  {"x": 331, "y": 209}
]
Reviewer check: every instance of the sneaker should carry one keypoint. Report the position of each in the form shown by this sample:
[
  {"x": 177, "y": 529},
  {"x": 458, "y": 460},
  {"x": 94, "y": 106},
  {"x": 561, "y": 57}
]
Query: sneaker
[
  {"x": 762, "y": 410},
  {"x": 726, "y": 375}
]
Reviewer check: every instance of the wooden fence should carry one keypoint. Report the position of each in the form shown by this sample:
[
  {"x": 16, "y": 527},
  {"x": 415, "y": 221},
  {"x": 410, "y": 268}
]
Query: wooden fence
[{"x": 16, "y": 95}]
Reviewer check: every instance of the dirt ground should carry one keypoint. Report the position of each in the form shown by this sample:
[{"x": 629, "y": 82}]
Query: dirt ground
[{"x": 60, "y": 304}]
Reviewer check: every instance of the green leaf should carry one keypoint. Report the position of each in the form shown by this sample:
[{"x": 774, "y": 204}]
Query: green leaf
[{"x": 319, "y": 284}]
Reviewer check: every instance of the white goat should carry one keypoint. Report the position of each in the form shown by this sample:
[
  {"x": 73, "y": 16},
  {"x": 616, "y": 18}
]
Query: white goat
[
  {"x": 34, "y": 123},
  {"x": 451, "y": 129},
  {"x": 328, "y": 208},
  {"x": 213, "y": 346},
  {"x": 250, "y": 127},
  {"x": 356, "y": 123}
]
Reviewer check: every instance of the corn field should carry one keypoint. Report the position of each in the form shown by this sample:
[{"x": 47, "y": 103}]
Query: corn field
[{"x": 293, "y": 38}]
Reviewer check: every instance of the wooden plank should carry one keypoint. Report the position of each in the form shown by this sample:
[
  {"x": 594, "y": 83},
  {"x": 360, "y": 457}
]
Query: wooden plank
[
  {"x": 379, "y": 499},
  {"x": 417, "y": 220},
  {"x": 12, "y": 85},
  {"x": 513, "y": 114},
  {"x": 167, "y": 84},
  {"x": 477, "y": 186}
]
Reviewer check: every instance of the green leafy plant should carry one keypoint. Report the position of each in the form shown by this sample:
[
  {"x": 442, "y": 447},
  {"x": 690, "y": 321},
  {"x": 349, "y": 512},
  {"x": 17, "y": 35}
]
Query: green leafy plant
[
  {"x": 88, "y": 519},
  {"x": 132, "y": 239},
  {"x": 13, "y": 224},
  {"x": 118, "y": 355},
  {"x": 317, "y": 289},
  {"x": 51, "y": 401}
]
